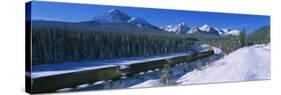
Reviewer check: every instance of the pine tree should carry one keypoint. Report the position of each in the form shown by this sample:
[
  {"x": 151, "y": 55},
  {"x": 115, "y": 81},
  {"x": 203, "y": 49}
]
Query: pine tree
[
  {"x": 242, "y": 37},
  {"x": 165, "y": 76}
]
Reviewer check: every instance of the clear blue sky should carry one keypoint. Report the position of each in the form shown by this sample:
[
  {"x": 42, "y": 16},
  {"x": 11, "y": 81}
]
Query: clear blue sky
[{"x": 159, "y": 17}]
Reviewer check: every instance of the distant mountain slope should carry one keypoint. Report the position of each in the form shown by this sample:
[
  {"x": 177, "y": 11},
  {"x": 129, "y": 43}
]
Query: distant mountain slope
[
  {"x": 115, "y": 17},
  {"x": 208, "y": 29},
  {"x": 141, "y": 23},
  {"x": 111, "y": 16}
]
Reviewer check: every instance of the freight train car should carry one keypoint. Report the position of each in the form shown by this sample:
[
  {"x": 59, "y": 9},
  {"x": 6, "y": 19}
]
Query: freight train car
[
  {"x": 150, "y": 65},
  {"x": 55, "y": 82}
]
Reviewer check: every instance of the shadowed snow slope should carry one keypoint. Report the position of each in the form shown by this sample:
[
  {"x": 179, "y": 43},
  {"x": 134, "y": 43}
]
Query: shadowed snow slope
[{"x": 248, "y": 63}]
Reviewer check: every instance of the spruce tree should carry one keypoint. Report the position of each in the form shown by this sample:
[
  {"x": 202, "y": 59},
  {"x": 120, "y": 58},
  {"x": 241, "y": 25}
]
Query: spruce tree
[
  {"x": 165, "y": 76},
  {"x": 242, "y": 37}
]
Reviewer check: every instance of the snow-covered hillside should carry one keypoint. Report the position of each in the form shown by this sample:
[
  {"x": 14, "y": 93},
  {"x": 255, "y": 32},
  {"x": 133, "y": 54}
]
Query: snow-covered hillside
[{"x": 249, "y": 63}]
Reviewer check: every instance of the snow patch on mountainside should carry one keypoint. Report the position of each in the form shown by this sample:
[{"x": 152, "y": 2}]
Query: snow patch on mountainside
[
  {"x": 205, "y": 27},
  {"x": 141, "y": 23},
  {"x": 193, "y": 30},
  {"x": 248, "y": 63}
]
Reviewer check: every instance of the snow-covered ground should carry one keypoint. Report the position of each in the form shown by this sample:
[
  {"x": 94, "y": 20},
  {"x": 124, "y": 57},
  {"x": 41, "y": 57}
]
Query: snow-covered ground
[
  {"x": 248, "y": 63},
  {"x": 178, "y": 71}
]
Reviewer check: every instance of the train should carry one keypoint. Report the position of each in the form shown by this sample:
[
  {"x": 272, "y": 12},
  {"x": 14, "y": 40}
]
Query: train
[{"x": 53, "y": 83}]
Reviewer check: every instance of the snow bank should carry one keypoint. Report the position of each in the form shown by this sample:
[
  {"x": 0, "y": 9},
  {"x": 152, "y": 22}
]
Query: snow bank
[
  {"x": 249, "y": 63},
  {"x": 218, "y": 51},
  {"x": 148, "y": 83}
]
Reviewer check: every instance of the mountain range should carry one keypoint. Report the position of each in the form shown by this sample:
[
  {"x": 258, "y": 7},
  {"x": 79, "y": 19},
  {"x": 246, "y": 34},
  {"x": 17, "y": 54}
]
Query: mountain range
[
  {"x": 116, "y": 20},
  {"x": 115, "y": 16},
  {"x": 182, "y": 28}
]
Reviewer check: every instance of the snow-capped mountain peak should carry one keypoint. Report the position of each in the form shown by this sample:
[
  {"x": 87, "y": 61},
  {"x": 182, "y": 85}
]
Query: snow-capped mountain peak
[
  {"x": 193, "y": 30},
  {"x": 232, "y": 32},
  {"x": 178, "y": 29},
  {"x": 115, "y": 16},
  {"x": 112, "y": 16},
  {"x": 228, "y": 32},
  {"x": 182, "y": 28},
  {"x": 210, "y": 30}
]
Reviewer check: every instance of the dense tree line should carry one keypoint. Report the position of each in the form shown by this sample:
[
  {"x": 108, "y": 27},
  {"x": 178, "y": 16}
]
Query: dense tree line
[
  {"x": 231, "y": 43},
  {"x": 227, "y": 44},
  {"x": 242, "y": 38},
  {"x": 56, "y": 45},
  {"x": 260, "y": 36}
]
